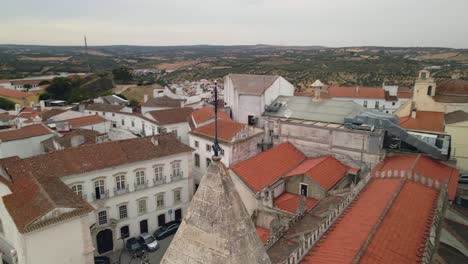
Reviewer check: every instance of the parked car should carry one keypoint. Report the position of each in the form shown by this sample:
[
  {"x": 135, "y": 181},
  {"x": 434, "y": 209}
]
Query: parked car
[
  {"x": 134, "y": 246},
  {"x": 149, "y": 242},
  {"x": 167, "y": 229},
  {"x": 463, "y": 179},
  {"x": 102, "y": 260}
]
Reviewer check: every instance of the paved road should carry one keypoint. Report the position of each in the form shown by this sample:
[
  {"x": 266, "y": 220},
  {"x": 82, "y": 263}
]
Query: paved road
[{"x": 153, "y": 257}]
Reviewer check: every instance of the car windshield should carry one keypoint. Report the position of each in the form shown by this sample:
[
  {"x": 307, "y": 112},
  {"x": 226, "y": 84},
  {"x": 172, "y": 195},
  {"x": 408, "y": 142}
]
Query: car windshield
[
  {"x": 149, "y": 239},
  {"x": 163, "y": 228},
  {"x": 135, "y": 245}
]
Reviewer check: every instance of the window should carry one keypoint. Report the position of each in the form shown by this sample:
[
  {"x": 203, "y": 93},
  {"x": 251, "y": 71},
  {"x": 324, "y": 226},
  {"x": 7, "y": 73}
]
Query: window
[
  {"x": 153, "y": 130},
  {"x": 303, "y": 189},
  {"x": 423, "y": 75},
  {"x": 161, "y": 219},
  {"x": 120, "y": 182},
  {"x": 221, "y": 152},
  {"x": 97, "y": 113},
  {"x": 158, "y": 173},
  {"x": 175, "y": 132},
  {"x": 162, "y": 130},
  {"x": 376, "y": 104},
  {"x": 208, "y": 147},
  {"x": 123, "y": 211},
  {"x": 393, "y": 103},
  {"x": 140, "y": 177},
  {"x": 144, "y": 226},
  {"x": 142, "y": 206},
  {"x": 123, "y": 122},
  {"x": 124, "y": 232},
  {"x": 177, "y": 196},
  {"x": 196, "y": 143},
  {"x": 197, "y": 160},
  {"x": 77, "y": 189},
  {"x": 429, "y": 90},
  {"x": 102, "y": 217},
  {"x": 176, "y": 168},
  {"x": 365, "y": 104},
  {"x": 2, "y": 232},
  {"x": 113, "y": 114},
  {"x": 99, "y": 188},
  {"x": 133, "y": 123},
  {"x": 160, "y": 200},
  {"x": 208, "y": 162}
]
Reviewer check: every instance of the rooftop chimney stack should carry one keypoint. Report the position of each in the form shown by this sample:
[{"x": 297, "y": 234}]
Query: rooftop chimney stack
[
  {"x": 413, "y": 113},
  {"x": 317, "y": 85},
  {"x": 145, "y": 98}
]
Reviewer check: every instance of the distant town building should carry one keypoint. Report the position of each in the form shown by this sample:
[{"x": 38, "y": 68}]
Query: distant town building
[{"x": 247, "y": 95}]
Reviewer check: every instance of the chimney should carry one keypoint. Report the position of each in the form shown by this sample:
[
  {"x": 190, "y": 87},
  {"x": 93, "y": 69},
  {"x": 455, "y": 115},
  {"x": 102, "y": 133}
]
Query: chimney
[
  {"x": 145, "y": 98},
  {"x": 357, "y": 89},
  {"x": 413, "y": 113},
  {"x": 42, "y": 104},
  {"x": 155, "y": 141}
]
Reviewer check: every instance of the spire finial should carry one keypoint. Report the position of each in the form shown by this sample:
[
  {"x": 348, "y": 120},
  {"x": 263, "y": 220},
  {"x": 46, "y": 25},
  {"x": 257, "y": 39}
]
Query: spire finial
[{"x": 216, "y": 147}]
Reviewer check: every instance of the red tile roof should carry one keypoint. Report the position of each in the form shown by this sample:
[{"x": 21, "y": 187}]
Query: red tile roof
[
  {"x": 326, "y": 171},
  {"x": 263, "y": 233},
  {"x": 269, "y": 166},
  {"x": 424, "y": 121},
  {"x": 22, "y": 82},
  {"x": 343, "y": 242},
  {"x": 171, "y": 116},
  {"x": 24, "y": 132},
  {"x": 206, "y": 113},
  {"x": 356, "y": 92},
  {"x": 423, "y": 166},
  {"x": 227, "y": 130},
  {"x": 7, "y": 117},
  {"x": 13, "y": 93},
  {"x": 289, "y": 202},
  {"x": 404, "y": 92},
  {"x": 405, "y": 228},
  {"x": 85, "y": 121}
]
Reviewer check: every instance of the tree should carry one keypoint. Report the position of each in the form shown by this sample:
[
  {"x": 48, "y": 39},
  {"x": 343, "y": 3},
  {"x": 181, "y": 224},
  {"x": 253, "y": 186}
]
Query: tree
[
  {"x": 60, "y": 88},
  {"x": 6, "y": 104},
  {"x": 44, "y": 82},
  {"x": 122, "y": 75}
]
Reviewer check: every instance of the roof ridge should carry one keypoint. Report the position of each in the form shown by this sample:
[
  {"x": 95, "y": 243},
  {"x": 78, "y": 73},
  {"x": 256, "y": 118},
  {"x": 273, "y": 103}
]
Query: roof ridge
[{"x": 377, "y": 224}]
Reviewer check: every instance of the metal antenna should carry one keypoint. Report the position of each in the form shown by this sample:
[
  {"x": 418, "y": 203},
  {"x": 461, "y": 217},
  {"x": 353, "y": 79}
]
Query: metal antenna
[{"x": 216, "y": 147}]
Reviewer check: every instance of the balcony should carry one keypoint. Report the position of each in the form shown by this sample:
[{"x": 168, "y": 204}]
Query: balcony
[
  {"x": 122, "y": 190},
  {"x": 103, "y": 195},
  {"x": 159, "y": 182},
  {"x": 142, "y": 186},
  {"x": 177, "y": 177}
]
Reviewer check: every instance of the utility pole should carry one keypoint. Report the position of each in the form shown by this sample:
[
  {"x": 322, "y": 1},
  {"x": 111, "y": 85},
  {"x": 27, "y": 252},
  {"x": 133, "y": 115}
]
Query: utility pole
[{"x": 86, "y": 53}]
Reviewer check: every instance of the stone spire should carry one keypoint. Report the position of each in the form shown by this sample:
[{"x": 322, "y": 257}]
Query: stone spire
[{"x": 217, "y": 227}]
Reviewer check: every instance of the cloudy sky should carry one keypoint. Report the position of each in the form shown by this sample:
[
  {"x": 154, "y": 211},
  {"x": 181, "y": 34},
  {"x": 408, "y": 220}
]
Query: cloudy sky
[{"x": 332, "y": 23}]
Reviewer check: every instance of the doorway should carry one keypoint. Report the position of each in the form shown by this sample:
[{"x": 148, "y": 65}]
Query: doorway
[
  {"x": 304, "y": 189},
  {"x": 161, "y": 219},
  {"x": 104, "y": 241},
  {"x": 178, "y": 214},
  {"x": 144, "y": 226}
]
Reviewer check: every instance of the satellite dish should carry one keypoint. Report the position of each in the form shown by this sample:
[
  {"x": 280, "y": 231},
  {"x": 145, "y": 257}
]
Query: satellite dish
[{"x": 287, "y": 113}]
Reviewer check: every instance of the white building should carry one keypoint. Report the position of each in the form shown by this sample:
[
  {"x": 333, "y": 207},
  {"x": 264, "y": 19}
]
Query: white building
[
  {"x": 161, "y": 103},
  {"x": 172, "y": 120},
  {"x": 386, "y": 99},
  {"x": 237, "y": 141},
  {"x": 99, "y": 196},
  {"x": 23, "y": 142},
  {"x": 91, "y": 122},
  {"x": 247, "y": 95}
]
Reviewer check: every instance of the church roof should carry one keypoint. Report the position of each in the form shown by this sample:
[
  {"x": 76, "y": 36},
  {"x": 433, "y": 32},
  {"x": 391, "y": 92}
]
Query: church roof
[{"x": 217, "y": 227}]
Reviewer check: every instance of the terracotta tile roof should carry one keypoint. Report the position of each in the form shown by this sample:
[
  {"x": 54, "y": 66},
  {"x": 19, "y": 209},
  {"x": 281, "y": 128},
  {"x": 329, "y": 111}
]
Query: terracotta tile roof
[
  {"x": 206, "y": 113},
  {"x": 405, "y": 228},
  {"x": 163, "y": 101},
  {"x": 405, "y": 92},
  {"x": 171, "y": 116},
  {"x": 51, "y": 113},
  {"x": 24, "y": 132},
  {"x": 326, "y": 171},
  {"x": 424, "y": 121},
  {"x": 252, "y": 84},
  {"x": 423, "y": 166},
  {"x": 342, "y": 243},
  {"x": 227, "y": 130},
  {"x": 356, "y": 92},
  {"x": 22, "y": 82},
  {"x": 452, "y": 91},
  {"x": 104, "y": 107},
  {"x": 456, "y": 117},
  {"x": 263, "y": 233},
  {"x": 84, "y": 121},
  {"x": 7, "y": 117},
  {"x": 269, "y": 166},
  {"x": 289, "y": 202},
  {"x": 13, "y": 93},
  {"x": 37, "y": 188}
]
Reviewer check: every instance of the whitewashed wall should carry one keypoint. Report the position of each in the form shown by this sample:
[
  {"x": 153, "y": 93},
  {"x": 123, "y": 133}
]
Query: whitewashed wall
[{"x": 23, "y": 148}]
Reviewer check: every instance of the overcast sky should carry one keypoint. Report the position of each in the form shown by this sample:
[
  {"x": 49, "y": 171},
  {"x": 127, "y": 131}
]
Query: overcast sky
[{"x": 334, "y": 23}]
